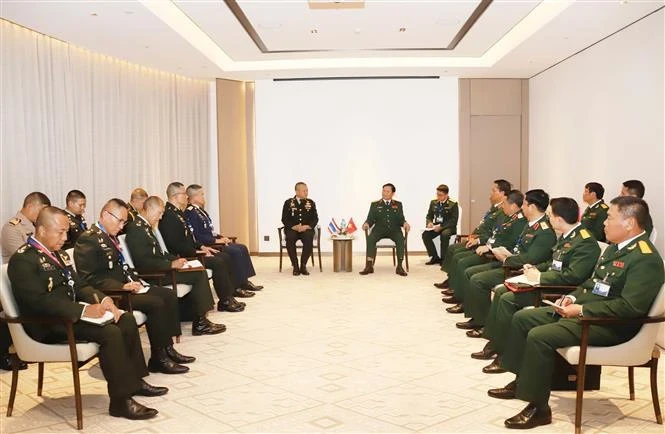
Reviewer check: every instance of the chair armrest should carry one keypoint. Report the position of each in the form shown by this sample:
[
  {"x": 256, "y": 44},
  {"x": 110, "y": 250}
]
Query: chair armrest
[
  {"x": 233, "y": 239},
  {"x": 188, "y": 270},
  {"x": 621, "y": 321},
  {"x": 459, "y": 237},
  {"x": 123, "y": 294},
  {"x": 34, "y": 320}
]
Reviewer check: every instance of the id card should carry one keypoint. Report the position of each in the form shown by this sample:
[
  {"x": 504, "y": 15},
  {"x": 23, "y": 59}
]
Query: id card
[
  {"x": 557, "y": 265},
  {"x": 601, "y": 288}
]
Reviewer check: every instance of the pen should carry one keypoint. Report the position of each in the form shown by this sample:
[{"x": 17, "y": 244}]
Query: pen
[{"x": 96, "y": 298}]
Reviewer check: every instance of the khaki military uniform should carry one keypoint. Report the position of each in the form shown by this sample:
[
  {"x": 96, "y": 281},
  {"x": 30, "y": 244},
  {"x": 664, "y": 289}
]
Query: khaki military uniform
[{"x": 14, "y": 234}]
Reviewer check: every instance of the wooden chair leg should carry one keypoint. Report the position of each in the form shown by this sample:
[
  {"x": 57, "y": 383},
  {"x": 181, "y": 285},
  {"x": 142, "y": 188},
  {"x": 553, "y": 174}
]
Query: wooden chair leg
[
  {"x": 12, "y": 393},
  {"x": 177, "y": 339},
  {"x": 631, "y": 382},
  {"x": 77, "y": 394},
  {"x": 40, "y": 378},
  {"x": 654, "y": 389},
  {"x": 581, "y": 374},
  {"x": 394, "y": 261},
  {"x": 313, "y": 262},
  {"x": 406, "y": 257},
  {"x": 280, "y": 257},
  {"x": 318, "y": 248}
]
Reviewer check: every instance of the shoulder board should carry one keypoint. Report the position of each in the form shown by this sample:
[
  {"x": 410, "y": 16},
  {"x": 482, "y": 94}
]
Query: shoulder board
[
  {"x": 378, "y": 202},
  {"x": 644, "y": 247},
  {"x": 584, "y": 234},
  {"x": 397, "y": 202},
  {"x": 520, "y": 215},
  {"x": 452, "y": 201},
  {"x": 190, "y": 207},
  {"x": 23, "y": 248},
  {"x": 15, "y": 221},
  {"x": 544, "y": 225},
  {"x": 603, "y": 205}
]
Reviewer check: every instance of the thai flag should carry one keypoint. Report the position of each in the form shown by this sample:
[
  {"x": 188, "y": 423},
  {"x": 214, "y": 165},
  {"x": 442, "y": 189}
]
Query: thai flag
[{"x": 332, "y": 227}]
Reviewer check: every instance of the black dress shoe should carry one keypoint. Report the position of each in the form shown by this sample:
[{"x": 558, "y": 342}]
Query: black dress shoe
[
  {"x": 458, "y": 308},
  {"x": 531, "y": 417},
  {"x": 505, "y": 392},
  {"x": 230, "y": 305},
  {"x": 485, "y": 354},
  {"x": 442, "y": 285},
  {"x": 475, "y": 333},
  {"x": 243, "y": 293},
  {"x": 165, "y": 365},
  {"x": 202, "y": 326},
  {"x": 6, "y": 361},
  {"x": 400, "y": 271},
  {"x": 249, "y": 286},
  {"x": 296, "y": 271},
  {"x": 150, "y": 390},
  {"x": 448, "y": 292},
  {"x": 177, "y": 357},
  {"x": 467, "y": 325},
  {"x": 434, "y": 261},
  {"x": 367, "y": 270},
  {"x": 450, "y": 300},
  {"x": 130, "y": 409},
  {"x": 303, "y": 271},
  {"x": 494, "y": 367}
]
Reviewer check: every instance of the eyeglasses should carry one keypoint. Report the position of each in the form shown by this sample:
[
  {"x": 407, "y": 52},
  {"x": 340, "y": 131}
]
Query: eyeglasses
[{"x": 121, "y": 221}]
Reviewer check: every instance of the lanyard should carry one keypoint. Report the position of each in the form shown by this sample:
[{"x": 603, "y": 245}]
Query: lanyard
[{"x": 66, "y": 273}]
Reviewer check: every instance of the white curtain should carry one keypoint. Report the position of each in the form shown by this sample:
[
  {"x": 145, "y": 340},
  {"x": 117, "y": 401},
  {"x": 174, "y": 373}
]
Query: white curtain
[{"x": 74, "y": 119}]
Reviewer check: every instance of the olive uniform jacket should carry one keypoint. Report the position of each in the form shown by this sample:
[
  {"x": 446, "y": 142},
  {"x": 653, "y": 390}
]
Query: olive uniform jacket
[
  {"x": 594, "y": 219},
  {"x": 534, "y": 244},
  {"x": 385, "y": 218},
  {"x": 445, "y": 214}
]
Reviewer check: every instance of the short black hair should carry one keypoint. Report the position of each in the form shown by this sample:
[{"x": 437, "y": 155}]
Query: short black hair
[
  {"x": 515, "y": 197},
  {"x": 443, "y": 188},
  {"x": 115, "y": 203},
  {"x": 392, "y": 187},
  {"x": 631, "y": 206},
  {"x": 299, "y": 183},
  {"x": 596, "y": 187},
  {"x": 634, "y": 187},
  {"x": 37, "y": 198},
  {"x": 74, "y": 195},
  {"x": 538, "y": 197},
  {"x": 172, "y": 188},
  {"x": 46, "y": 215},
  {"x": 566, "y": 208},
  {"x": 503, "y": 186}
]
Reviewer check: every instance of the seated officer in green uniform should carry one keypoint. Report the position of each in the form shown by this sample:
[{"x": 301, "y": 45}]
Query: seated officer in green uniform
[
  {"x": 505, "y": 234},
  {"x": 626, "y": 280},
  {"x": 386, "y": 218},
  {"x": 441, "y": 221},
  {"x": 46, "y": 285},
  {"x": 595, "y": 214},
  {"x": 74, "y": 209},
  {"x": 480, "y": 235},
  {"x": 635, "y": 188},
  {"x": 573, "y": 259},
  {"x": 534, "y": 245}
]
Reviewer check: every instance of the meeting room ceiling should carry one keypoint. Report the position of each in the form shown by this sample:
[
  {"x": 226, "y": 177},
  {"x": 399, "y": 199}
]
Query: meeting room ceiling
[{"x": 255, "y": 39}]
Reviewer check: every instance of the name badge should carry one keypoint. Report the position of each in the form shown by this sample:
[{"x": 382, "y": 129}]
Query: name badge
[
  {"x": 557, "y": 265},
  {"x": 439, "y": 219},
  {"x": 491, "y": 240},
  {"x": 601, "y": 288}
]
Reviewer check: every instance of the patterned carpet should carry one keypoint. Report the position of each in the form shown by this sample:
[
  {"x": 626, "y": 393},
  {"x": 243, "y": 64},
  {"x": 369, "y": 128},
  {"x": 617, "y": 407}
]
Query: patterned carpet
[{"x": 330, "y": 352}]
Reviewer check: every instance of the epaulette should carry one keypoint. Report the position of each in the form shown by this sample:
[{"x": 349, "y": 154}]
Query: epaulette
[
  {"x": 603, "y": 205},
  {"x": 644, "y": 247},
  {"x": 190, "y": 207},
  {"x": 451, "y": 201},
  {"x": 544, "y": 225},
  {"x": 14, "y": 221},
  {"x": 584, "y": 234},
  {"x": 23, "y": 248}
]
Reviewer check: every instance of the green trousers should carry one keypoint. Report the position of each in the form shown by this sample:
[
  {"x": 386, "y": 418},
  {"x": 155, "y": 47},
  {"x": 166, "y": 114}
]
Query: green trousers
[
  {"x": 504, "y": 305},
  {"x": 535, "y": 335},
  {"x": 377, "y": 234}
]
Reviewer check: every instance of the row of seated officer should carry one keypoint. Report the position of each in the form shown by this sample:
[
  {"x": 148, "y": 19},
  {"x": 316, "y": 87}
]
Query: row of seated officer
[{"x": 623, "y": 281}]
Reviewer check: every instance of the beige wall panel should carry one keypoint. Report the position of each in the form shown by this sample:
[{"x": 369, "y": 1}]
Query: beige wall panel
[
  {"x": 496, "y": 96},
  {"x": 464, "y": 154}
]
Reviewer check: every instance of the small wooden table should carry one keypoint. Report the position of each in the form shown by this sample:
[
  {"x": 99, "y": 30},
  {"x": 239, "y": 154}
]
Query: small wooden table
[{"x": 342, "y": 254}]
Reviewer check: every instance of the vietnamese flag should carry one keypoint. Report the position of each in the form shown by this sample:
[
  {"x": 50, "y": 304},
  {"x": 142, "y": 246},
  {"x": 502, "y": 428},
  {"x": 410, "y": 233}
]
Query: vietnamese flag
[{"x": 351, "y": 227}]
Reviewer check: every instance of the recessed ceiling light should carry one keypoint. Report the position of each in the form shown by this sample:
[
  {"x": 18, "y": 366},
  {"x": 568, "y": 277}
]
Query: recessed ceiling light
[
  {"x": 623, "y": 2},
  {"x": 313, "y": 31},
  {"x": 93, "y": 14},
  {"x": 128, "y": 12},
  {"x": 356, "y": 31},
  {"x": 147, "y": 46},
  {"x": 402, "y": 29}
]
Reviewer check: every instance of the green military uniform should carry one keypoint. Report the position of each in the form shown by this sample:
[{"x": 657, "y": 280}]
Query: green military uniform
[
  {"x": 625, "y": 283},
  {"x": 386, "y": 217},
  {"x": 534, "y": 246},
  {"x": 483, "y": 231},
  {"x": 46, "y": 285},
  {"x": 573, "y": 260},
  {"x": 505, "y": 234},
  {"x": 444, "y": 214},
  {"x": 594, "y": 219},
  {"x": 147, "y": 256}
]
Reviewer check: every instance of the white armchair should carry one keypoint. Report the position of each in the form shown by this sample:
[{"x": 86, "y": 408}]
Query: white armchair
[{"x": 31, "y": 351}]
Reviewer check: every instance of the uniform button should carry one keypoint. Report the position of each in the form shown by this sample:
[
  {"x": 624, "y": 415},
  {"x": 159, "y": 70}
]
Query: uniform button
[{"x": 602, "y": 267}]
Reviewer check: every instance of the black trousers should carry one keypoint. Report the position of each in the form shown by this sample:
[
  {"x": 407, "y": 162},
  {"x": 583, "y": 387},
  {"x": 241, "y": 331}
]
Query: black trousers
[
  {"x": 5, "y": 338},
  {"x": 241, "y": 262},
  {"x": 199, "y": 300},
  {"x": 120, "y": 353},
  {"x": 307, "y": 238},
  {"x": 222, "y": 277},
  {"x": 161, "y": 307}
]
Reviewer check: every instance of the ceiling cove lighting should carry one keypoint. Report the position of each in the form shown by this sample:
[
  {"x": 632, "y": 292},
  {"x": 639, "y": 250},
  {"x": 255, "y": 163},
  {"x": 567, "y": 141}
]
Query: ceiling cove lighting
[{"x": 171, "y": 15}]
